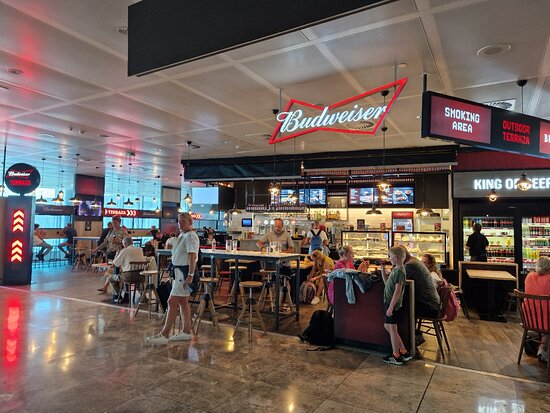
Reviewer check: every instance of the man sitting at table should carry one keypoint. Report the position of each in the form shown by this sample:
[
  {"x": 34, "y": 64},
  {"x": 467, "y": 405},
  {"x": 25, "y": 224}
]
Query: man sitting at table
[
  {"x": 113, "y": 243},
  {"x": 280, "y": 235},
  {"x": 70, "y": 233},
  {"x": 130, "y": 253}
]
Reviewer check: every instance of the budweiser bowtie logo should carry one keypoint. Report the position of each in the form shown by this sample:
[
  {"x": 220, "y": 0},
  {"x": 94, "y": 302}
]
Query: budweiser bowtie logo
[{"x": 353, "y": 115}]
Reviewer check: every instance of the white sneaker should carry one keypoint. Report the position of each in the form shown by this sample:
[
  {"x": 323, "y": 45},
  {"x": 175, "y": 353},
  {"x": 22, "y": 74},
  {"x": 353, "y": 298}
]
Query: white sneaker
[
  {"x": 181, "y": 337},
  {"x": 157, "y": 339},
  {"x": 316, "y": 300}
]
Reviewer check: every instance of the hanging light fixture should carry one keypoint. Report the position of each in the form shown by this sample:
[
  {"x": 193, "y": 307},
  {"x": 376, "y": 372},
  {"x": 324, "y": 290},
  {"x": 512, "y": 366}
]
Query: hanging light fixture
[
  {"x": 188, "y": 199},
  {"x": 42, "y": 200},
  {"x": 373, "y": 210},
  {"x": 95, "y": 204},
  {"x": 493, "y": 196},
  {"x": 212, "y": 212},
  {"x": 180, "y": 209},
  {"x": 59, "y": 198},
  {"x": 157, "y": 210},
  {"x": 111, "y": 202},
  {"x": 128, "y": 202},
  {"x": 74, "y": 199},
  {"x": 524, "y": 183},
  {"x": 383, "y": 185},
  {"x": 424, "y": 212}
]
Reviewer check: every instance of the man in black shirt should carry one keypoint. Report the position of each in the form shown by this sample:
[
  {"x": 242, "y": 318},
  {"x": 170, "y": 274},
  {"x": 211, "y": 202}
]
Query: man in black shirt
[
  {"x": 70, "y": 233},
  {"x": 104, "y": 233},
  {"x": 477, "y": 245}
]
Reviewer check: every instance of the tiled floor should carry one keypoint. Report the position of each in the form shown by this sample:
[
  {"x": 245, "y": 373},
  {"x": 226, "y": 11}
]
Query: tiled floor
[{"x": 74, "y": 354}]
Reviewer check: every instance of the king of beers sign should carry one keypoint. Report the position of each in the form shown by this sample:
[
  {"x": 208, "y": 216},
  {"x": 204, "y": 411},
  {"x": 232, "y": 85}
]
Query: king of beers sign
[{"x": 362, "y": 114}]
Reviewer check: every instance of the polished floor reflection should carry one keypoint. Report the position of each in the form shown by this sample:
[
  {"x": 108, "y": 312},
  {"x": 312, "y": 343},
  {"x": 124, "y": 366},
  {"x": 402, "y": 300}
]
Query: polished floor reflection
[{"x": 66, "y": 355}]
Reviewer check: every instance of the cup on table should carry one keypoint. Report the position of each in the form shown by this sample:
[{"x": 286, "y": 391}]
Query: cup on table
[
  {"x": 234, "y": 245},
  {"x": 228, "y": 245}
]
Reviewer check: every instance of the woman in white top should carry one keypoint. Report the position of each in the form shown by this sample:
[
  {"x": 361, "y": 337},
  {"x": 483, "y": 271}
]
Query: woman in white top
[{"x": 184, "y": 258}]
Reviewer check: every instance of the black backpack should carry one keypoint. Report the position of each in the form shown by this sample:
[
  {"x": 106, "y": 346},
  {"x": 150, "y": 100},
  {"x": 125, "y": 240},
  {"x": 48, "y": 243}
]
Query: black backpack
[{"x": 320, "y": 331}]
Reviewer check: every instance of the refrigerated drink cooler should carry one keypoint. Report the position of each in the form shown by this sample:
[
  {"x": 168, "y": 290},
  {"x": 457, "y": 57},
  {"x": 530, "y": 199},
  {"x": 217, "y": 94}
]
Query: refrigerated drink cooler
[
  {"x": 499, "y": 232},
  {"x": 535, "y": 237}
]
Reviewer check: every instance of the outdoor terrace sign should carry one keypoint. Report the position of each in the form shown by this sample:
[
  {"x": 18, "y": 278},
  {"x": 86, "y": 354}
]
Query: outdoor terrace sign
[{"x": 357, "y": 115}]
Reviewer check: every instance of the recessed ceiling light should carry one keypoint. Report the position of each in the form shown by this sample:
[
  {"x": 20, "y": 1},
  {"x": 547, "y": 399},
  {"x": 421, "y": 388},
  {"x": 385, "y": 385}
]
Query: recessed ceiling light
[
  {"x": 159, "y": 150},
  {"x": 401, "y": 65},
  {"x": 46, "y": 135},
  {"x": 122, "y": 30},
  {"x": 101, "y": 135},
  {"x": 494, "y": 49},
  {"x": 226, "y": 142},
  {"x": 14, "y": 71},
  {"x": 237, "y": 147}
]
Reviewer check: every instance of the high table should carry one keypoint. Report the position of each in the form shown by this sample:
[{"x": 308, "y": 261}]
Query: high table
[
  {"x": 491, "y": 276},
  {"x": 91, "y": 239},
  {"x": 276, "y": 258}
]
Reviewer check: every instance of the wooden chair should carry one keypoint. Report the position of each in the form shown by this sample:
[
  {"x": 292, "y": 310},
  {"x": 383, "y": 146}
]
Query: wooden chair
[
  {"x": 133, "y": 278},
  {"x": 434, "y": 326},
  {"x": 535, "y": 316}
]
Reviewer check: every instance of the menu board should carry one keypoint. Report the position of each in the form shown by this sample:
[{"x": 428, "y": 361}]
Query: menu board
[
  {"x": 488, "y": 127},
  {"x": 392, "y": 196},
  {"x": 313, "y": 196}
]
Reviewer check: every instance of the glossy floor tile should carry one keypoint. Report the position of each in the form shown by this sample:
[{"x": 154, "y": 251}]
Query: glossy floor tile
[{"x": 71, "y": 354}]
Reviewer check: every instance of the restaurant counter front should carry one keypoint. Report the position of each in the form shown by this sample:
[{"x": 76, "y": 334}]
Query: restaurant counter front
[{"x": 362, "y": 324}]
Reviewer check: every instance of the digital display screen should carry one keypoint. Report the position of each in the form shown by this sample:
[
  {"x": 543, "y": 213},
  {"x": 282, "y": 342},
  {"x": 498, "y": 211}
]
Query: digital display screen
[
  {"x": 284, "y": 197},
  {"x": 246, "y": 222},
  {"x": 313, "y": 196},
  {"x": 475, "y": 124},
  {"x": 85, "y": 209},
  {"x": 400, "y": 195}
]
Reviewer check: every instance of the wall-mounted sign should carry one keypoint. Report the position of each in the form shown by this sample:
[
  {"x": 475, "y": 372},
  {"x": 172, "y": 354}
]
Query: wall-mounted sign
[
  {"x": 42, "y": 209},
  {"x": 474, "y": 124},
  {"x": 356, "y": 115},
  {"x": 22, "y": 178},
  {"x": 478, "y": 184},
  {"x": 196, "y": 215},
  {"x": 129, "y": 213}
]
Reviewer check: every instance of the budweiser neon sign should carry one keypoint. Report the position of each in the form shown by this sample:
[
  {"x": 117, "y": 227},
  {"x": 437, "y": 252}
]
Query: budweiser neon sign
[
  {"x": 353, "y": 115},
  {"x": 19, "y": 174}
]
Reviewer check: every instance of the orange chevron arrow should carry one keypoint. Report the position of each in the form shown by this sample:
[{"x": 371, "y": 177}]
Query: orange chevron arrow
[
  {"x": 17, "y": 249},
  {"x": 17, "y": 243},
  {"x": 16, "y": 257},
  {"x": 19, "y": 213},
  {"x": 18, "y": 227},
  {"x": 19, "y": 220}
]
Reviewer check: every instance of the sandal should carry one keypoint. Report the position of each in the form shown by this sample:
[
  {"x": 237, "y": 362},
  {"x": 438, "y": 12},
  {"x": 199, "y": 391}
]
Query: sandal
[{"x": 103, "y": 290}]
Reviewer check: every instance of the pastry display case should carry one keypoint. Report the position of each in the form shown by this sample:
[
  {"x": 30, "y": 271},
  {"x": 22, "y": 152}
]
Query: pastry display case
[
  {"x": 368, "y": 244},
  {"x": 420, "y": 243}
]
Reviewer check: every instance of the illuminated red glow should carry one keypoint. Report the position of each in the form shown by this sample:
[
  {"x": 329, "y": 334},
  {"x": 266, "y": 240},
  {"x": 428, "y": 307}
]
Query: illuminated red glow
[
  {"x": 18, "y": 224},
  {"x": 12, "y": 330}
]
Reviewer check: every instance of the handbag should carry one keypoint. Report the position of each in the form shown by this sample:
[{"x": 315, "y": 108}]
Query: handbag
[{"x": 163, "y": 291}]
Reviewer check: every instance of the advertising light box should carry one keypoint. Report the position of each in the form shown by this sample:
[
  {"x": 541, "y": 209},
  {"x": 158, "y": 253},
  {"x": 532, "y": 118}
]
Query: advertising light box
[{"x": 475, "y": 124}]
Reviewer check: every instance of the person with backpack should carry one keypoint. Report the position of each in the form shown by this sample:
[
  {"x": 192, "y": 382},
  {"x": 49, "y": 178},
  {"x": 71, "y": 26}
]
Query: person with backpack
[
  {"x": 394, "y": 290},
  {"x": 184, "y": 260},
  {"x": 316, "y": 238}
]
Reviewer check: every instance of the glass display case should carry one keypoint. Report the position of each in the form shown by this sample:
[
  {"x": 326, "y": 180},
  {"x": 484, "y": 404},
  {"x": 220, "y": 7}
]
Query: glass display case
[
  {"x": 368, "y": 244},
  {"x": 535, "y": 237},
  {"x": 419, "y": 243},
  {"x": 500, "y": 234}
]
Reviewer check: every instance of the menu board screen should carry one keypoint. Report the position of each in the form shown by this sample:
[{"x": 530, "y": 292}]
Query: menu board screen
[
  {"x": 392, "y": 196},
  {"x": 313, "y": 196}
]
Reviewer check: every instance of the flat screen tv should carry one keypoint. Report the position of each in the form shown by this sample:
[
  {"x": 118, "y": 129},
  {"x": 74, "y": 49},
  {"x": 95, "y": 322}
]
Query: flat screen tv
[
  {"x": 246, "y": 222},
  {"x": 85, "y": 209},
  {"x": 313, "y": 196},
  {"x": 399, "y": 195}
]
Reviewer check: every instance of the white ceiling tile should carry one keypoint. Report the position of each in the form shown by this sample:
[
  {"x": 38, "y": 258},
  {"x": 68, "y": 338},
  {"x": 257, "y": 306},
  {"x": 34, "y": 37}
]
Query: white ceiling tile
[
  {"x": 277, "y": 43},
  {"x": 24, "y": 98}
]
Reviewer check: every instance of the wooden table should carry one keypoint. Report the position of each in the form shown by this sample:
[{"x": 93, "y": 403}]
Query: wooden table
[
  {"x": 232, "y": 261},
  {"x": 276, "y": 258},
  {"x": 491, "y": 276}
]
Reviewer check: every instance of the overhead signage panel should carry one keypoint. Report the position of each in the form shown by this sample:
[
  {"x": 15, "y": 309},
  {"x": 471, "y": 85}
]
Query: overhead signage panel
[
  {"x": 474, "y": 124},
  {"x": 362, "y": 114},
  {"x": 22, "y": 178},
  {"x": 129, "y": 213},
  {"x": 478, "y": 184}
]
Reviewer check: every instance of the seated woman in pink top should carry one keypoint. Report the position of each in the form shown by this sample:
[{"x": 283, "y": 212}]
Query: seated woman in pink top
[
  {"x": 538, "y": 283},
  {"x": 345, "y": 261}
]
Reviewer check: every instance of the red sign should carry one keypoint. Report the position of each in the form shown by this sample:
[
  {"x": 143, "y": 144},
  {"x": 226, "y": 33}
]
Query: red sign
[
  {"x": 544, "y": 138},
  {"x": 18, "y": 225},
  {"x": 196, "y": 215},
  {"x": 460, "y": 120},
  {"x": 402, "y": 215},
  {"x": 116, "y": 212},
  {"x": 353, "y": 115}
]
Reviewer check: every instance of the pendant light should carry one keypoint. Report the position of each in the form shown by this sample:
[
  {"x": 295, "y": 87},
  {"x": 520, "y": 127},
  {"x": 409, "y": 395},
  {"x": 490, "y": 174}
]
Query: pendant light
[
  {"x": 274, "y": 189},
  {"x": 424, "y": 212},
  {"x": 188, "y": 200},
  {"x": 59, "y": 198},
  {"x": 128, "y": 202},
  {"x": 373, "y": 210},
  {"x": 524, "y": 183},
  {"x": 74, "y": 199},
  {"x": 493, "y": 196},
  {"x": 383, "y": 185},
  {"x": 42, "y": 200},
  {"x": 111, "y": 202},
  {"x": 157, "y": 210},
  {"x": 212, "y": 212},
  {"x": 180, "y": 209},
  {"x": 136, "y": 200},
  {"x": 95, "y": 204}
]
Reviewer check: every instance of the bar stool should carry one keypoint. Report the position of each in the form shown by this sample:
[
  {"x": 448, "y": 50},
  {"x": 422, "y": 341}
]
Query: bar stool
[
  {"x": 286, "y": 296},
  {"x": 512, "y": 302},
  {"x": 237, "y": 271},
  {"x": 267, "y": 290},
  {"x": 223, "y": 275},
  {"x": 250, "y": 306},
  {"x": 149, "y": 288},
  {"x": 206, "y": 301},
  {"x": 79, "y": 263}
]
